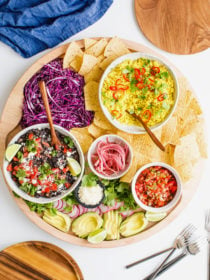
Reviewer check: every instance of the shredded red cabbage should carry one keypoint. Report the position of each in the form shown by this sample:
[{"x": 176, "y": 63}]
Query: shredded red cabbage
[{"x": 65, "y": 94}]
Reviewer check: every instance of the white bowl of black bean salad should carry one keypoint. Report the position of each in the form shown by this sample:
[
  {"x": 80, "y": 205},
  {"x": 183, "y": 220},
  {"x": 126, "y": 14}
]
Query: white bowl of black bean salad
[{"x": 38, "y": 172}]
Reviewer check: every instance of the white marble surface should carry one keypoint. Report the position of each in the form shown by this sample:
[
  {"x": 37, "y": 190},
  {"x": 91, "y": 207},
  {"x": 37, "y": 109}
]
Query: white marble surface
[{"x": 106, "y": 264}]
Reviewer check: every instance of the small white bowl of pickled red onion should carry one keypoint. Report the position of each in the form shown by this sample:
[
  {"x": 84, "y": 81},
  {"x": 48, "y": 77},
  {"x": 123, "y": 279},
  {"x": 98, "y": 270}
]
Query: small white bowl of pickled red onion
[{"x": 110, "y": 157}]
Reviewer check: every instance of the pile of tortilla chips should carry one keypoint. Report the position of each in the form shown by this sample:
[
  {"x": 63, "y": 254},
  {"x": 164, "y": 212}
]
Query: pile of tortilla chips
[{"x": 183, "y": 135}]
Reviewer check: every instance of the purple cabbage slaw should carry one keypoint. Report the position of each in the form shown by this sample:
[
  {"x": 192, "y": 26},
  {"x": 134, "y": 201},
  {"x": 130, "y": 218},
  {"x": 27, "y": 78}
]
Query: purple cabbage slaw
[{"x": 65, "y": 94}]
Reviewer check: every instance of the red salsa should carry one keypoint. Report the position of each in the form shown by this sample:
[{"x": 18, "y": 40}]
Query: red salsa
[{"x": 156, "y": 186}]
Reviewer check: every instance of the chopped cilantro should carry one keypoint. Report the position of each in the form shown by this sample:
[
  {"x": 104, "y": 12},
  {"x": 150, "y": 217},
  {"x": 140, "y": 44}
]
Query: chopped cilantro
[
  {"x": 145, "y": 90},
  {"x": 45, "y": 169},
  {"x": 40, "y": 208},
  {"x": 89, "y": 180},
  {"x": 21, "y": 173},
  {"x": 68, "y": 141},
  {"x": 54, "y": 153}
]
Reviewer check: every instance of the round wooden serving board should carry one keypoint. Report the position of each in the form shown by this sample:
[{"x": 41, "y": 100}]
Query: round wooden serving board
[
  {"x": 10, "y": 118},
  {"x": 37, "y": 260},
  {"x": 180, "y": 27}
]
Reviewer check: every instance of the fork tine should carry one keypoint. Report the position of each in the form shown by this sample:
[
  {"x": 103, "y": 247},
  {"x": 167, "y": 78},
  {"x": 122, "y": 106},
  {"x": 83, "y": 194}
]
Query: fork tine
[
  {"x": 207, "y": 217},
  {"x": 189, "y": 229}
]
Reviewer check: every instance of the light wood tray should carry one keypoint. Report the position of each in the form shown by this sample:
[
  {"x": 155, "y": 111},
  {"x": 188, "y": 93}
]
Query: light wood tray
[
  {"x": 37, "y": 260},
  {"x": 10, "y": 118}
]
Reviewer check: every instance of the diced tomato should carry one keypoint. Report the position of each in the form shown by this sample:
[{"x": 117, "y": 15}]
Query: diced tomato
[
  {"x": 55, "y": 170},
  {"x": 65, "y": 150},
  {"x": 16, "y": 168},
  {"x": 30, "y": 136},
  {"x": 38, "y": 139},
  {"x": 13, "y": 172},
  {"x": 9, "y": 167},
  {"x": 15, "y": 159},
  {"x": 21, "y": 182},
  {"x": 25, "y": 154},
  {"x": 47, "y": 189},
  {"x": 30, "y": 163},
  {"x": 54, "y": 187},
  {"x": 33, "y": 176},
  {"x": 45, "y": 144},
  {"x": 156, "y": 186},
  {"x": 65, "y": 170},
  {"x": 67, "y": 185},
  {"x": 35, "y": 169}
]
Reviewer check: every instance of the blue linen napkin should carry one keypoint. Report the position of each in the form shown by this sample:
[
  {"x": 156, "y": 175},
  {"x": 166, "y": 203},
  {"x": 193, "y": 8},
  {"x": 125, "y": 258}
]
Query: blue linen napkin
[{"x": 31, "y": 26}]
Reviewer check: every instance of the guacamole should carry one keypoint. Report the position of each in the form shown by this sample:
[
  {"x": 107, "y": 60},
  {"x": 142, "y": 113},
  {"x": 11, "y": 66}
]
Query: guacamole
[{"x": 142, "y": 86}]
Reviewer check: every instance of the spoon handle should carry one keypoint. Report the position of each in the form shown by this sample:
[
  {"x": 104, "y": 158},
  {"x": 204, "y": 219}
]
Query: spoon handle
[
  {"x": 168, "y": 265},
  {"x": 47, "y": 108},
  {"x": 151, "y": 134}
]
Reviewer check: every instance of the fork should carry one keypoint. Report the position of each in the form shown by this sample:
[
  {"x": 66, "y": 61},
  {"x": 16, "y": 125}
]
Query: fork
[
  {"x": 179, "y": 242},
  {"x": 193, "y": 248},
  {"x": 207, "y": 227}
]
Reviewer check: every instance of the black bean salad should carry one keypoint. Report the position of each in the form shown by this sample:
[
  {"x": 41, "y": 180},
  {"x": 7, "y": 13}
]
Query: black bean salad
[{"x": 39, "y": 169}]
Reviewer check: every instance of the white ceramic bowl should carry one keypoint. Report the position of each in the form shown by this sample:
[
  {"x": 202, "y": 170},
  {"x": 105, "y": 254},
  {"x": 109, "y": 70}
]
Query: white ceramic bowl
[
  {"x": 111, "y": 138},
  {"x": 136, "y": 129},
  {"x": 41, "y": 200},
  {"x": 172, "y": 203}
]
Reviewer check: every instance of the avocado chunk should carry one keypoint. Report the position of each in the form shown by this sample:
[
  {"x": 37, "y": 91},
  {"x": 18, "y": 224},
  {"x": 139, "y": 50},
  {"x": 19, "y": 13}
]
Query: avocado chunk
[
  {"x": 112, "y": 221},
  {"x": 133, "y": 224},
  {"x": 86, "y": 223},
  {"x": 59, "y": 220}
]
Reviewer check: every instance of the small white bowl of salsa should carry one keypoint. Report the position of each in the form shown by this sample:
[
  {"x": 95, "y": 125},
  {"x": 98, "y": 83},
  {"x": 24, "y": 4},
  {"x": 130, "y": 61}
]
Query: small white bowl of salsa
[{"x": 156, "y": 187}]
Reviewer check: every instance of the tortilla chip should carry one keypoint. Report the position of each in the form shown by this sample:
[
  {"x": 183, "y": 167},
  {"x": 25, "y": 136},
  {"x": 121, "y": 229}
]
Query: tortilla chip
[
  {"x": 168, "y": 130},
  {"x": 107, "y": 61},
  {"x": 144, "y": 145},
  {"x": 94, "y": 75},
  {"x": 101, "y": 121},
  {"x": 170, "y": 150},
  {"x": 97, "y": 48},
  {"x": 80, "y": 129},
  {"x": 195, "y": 106},
  {"x": 126, "y": 136},
  {"x": 95, "y": 131},
  {"x": 76, "y": 63},
  {"x": 115, "y": 47},
  {"x": 190, "y": 123},
  {"x": 84, "y": 140},
  {"x": 185, "y": 171},
  {"x": 88, "y": 63},
  {"x": 127, "y": 178},
  {"x": 91, "y": 96},
  {"x": 72, "y": 51},
  {"x": 141, "y": 159},
  {"x": 100, "y": 58},
  {"x": 89, "y": 42},
  {"x": 187, "y": 150}
]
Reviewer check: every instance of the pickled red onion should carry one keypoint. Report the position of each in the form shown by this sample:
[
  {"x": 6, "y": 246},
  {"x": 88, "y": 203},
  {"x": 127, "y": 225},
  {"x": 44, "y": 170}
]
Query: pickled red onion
[{"x": 110, "y": 158}]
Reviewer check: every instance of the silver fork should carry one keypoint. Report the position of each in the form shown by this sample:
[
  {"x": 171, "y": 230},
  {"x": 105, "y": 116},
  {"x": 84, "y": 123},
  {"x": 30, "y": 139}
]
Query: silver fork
[
  {"x": 179, "y": 242},
  {"x": 207, "y": 227},
  {"x": 193, "y": 248}
]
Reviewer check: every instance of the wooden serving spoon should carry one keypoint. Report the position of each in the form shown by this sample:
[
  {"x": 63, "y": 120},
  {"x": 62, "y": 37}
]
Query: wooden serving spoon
[
  {"x": 55, "y": 141},
  {"x": 148, "y": 130}
]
